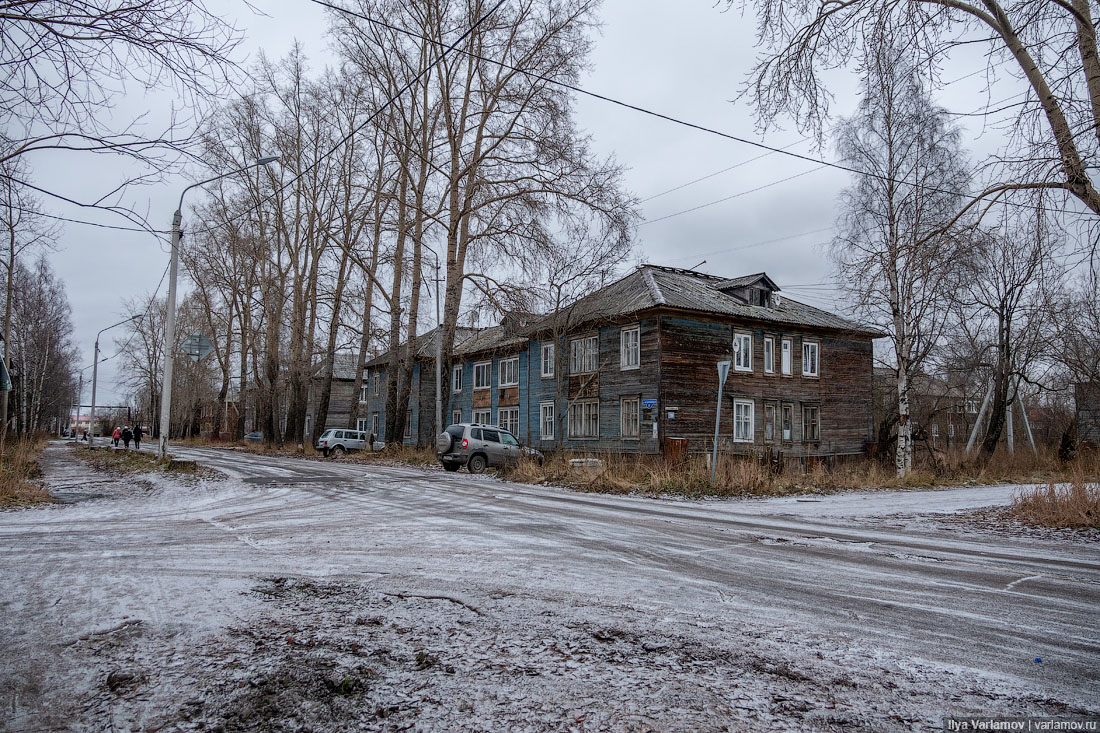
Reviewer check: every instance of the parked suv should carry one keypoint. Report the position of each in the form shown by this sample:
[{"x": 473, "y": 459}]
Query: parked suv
[
  {"x": 338, "y": 442},
  {"x": 478, "y": 446}
]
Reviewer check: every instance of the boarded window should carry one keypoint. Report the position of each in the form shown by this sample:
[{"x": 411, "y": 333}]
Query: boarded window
[{"x": 785, "y": 359}]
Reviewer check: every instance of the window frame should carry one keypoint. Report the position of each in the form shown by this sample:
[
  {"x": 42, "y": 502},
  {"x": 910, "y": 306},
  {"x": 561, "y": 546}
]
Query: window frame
[
  {"x": 486, "y": 411},
  {"x": 769, "y": 354},
  {"x": 547, "y": 347},
  {"x": 363, "y": 393},
  {"x": 770, "y": 422},
  {"x": 513, "y": 428},
  {"x": 376, "y": 378},
  {"x": 815, "y": 422},
  {"x": 587, "y": 417},
  {"x": 786, "y": 357},
  {"x": 589, "y": 350},
  {"x": 815, "y": 347},
  {"x": 630, "y": 431},
  {"x": 514, "y": 361},
  {"x": 374, "y": 423},
  {"x": 487, "y": 367},
  {"x": 543, "y": 435},
  {"x": 751, "y": 404},
  {"x": 361, "y": 424},
  {"x": 742, "y": 357},
  {"x": 635, "y": 350},
  {"x": 786, "y": 415},
  {"x": 408, "y": 424},
  {"x": 456, "y": 417},
  {"x": 456, "y": 378}
]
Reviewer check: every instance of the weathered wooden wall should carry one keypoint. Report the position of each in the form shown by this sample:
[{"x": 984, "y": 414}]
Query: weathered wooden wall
[{"x": 690, "y": 350}]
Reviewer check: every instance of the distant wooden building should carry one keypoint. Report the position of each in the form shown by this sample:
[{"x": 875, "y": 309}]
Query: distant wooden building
[
  {"x": 632, "y": 368},
  {"x": 1087, "y": 397}
]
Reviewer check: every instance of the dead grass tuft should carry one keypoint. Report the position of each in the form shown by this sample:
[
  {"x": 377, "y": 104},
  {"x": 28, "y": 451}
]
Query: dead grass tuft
[
  {"x": 1074, "y": 506},
  {"x": 109, "y": 460},
  {"x": 19, "y": 472}
]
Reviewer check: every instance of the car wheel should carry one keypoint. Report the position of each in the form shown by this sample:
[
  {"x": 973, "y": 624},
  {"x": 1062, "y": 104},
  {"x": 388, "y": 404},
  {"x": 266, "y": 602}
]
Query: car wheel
[
  {"x": 338, "y": 451},
  {"x": 450, "y": 466},
  {"x": 476, "y": 464}
]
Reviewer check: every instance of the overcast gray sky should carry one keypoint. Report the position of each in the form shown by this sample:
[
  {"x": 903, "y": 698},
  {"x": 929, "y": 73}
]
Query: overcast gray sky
[{"x": 687, "y": 59}]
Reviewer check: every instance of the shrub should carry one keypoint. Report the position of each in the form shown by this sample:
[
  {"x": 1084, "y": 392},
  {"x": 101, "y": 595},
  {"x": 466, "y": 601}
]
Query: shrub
[
  {"x": 1075, "y": 506},
  {"x": 19, "y": 471}
]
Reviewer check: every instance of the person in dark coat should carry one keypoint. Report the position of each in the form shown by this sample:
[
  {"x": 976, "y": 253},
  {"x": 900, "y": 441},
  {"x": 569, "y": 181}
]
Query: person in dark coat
[
  {"x": 127, "y": 436},
  {"x": 137, "y": 437}
]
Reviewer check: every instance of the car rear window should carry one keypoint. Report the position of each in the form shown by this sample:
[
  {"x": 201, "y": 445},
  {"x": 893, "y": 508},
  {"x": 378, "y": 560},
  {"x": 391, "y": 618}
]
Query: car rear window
[{"x": 455, "y": 430}]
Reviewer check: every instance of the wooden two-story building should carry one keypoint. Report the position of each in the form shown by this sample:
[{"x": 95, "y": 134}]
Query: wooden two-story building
[{"x": 634, "y": 364}]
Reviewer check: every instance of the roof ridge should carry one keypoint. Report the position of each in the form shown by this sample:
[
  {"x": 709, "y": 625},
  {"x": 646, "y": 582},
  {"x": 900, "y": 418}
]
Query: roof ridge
[{"x": 654, "y": 290}]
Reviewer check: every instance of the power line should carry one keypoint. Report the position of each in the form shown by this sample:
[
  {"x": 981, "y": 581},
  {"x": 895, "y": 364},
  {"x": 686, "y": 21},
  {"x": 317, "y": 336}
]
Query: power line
[
  {"x": 734, "y": 196},
  {"x": 726, "y": 250},
  {"x": 366, "y": 122},
  {"x": 661, "y": 115}
]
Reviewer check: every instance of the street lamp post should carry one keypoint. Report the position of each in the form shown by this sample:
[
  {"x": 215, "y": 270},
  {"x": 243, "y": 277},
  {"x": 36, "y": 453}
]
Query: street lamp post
[
  {"x": 95, "y": 374},
  {"x": 438, "y": 348},
  {"x": 170, "y": 319}
]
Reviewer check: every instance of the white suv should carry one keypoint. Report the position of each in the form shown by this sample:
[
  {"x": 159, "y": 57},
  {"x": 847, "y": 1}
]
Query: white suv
[{"x": 338, "y": 442}]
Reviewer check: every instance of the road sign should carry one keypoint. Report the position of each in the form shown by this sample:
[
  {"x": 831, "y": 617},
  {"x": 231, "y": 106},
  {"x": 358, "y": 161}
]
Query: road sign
[
  {"x": 197, "y": 347},
  {"x": 649, "y": 404}
]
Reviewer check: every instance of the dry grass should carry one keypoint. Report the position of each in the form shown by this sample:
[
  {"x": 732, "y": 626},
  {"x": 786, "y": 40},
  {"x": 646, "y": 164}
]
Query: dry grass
[
  {"x": 109, "y": 460},
  {"x": 620, "y": 474},
  {"x": 19, "y": 472},
  {"x": 1074, "y": 506}
]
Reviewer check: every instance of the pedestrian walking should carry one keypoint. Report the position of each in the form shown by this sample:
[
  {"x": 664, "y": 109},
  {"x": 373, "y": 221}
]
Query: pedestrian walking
[
  {"x": 115, "y": 436},
  {"x": 137, "y": 437},
  {"x": 85, "y": 436},
  {"x": 127, "y": 436}
]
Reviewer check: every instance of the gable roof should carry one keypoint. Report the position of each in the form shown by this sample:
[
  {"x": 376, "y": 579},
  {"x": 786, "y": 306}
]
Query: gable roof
[{"x": 652, "y": 286}]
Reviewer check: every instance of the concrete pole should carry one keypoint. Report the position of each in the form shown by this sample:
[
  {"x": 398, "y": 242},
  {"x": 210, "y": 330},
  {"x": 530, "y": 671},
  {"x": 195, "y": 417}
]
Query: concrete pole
[
  {"x": 438, "y": 354},
  {"x": 91, "y": 413},
  {"x": 1027, "y": 427},
  {"x": 978, "y": 419},
  {"x": 169, "y": 339},
  {"x": 1010, "y": 438}
]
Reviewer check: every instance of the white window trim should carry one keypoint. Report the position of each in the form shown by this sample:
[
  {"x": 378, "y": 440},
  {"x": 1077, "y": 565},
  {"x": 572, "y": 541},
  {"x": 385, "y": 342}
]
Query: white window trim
[
  {"x": 363, "y": 393},
  {"x": 637, "y": 331},
  {"x": 515, "y": 371},
  {"x": 752, "y": 421},
  {"x": 456, "y": 417},
  {"x": 483, "y": 411},
  {"x": 489, "y": 371},
  {"x": 816, "y": 348},
  {"x": 361, "y": 424},
  {"x": 637, "y": 434},
  {"x": 769, "y": 351},
  {"x": 739, "y": 354},
  {"x": 786, "y": 366},
  {"x": 513, "y": 429},
  {"x": 584, "y": 341},
  {"x": 581, "y": 404},
  {"x": 543, "y": 361},
  {"x": 543, "y": 435},
  {"x": 456, "y": 378}
]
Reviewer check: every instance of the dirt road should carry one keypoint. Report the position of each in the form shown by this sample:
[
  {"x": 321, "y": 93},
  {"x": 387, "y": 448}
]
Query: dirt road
[{"x": 310, "y": 595}]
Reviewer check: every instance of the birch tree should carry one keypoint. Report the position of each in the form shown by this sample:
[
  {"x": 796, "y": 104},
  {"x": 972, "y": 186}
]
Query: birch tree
[{"x": 892, "y": 254}]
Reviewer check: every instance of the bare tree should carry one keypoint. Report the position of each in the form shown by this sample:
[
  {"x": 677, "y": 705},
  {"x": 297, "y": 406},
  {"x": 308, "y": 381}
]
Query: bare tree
[
  {"x": 1051, "y": 46},
  {"x": 892, "y": 253}
]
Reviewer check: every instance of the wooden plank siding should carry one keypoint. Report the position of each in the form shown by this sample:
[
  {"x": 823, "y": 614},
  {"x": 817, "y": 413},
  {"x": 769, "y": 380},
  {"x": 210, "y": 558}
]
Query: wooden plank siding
[{"x": 690, "y": 350}]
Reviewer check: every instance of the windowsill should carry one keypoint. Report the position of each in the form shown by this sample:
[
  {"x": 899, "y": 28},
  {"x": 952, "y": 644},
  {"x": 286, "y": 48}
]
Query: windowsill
[
  {"x": 502, "y": 386},
  {"x": 586, "y": 437},
  {"x": 629, "y": 437},
  {"x": 630, "y": 368},
  {"x": 743, "y": 370},
  {"x": 546, "y": 376},
  {"x": 743, "y": 441},
  {"x": 481, "y": 389},
  {"x": 812, "y": 376}
]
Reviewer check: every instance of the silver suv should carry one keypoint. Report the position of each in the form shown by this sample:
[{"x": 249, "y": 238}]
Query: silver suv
[
  {"x": 478, "y": 446},
  {"x": 338, "y": 442}
]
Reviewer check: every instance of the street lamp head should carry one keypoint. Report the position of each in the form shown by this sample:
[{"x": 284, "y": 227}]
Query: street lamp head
[{"x": 267, "y": 159}]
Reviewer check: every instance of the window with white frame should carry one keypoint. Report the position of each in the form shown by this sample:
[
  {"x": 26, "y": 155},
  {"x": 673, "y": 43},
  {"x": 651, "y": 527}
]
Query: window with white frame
[
  {"x": 630, "y": 343},
  {"x": 584, "y": 355},
  {"x": 769, "y": 423},
  {"x": 376, "y": 378},
  {"x": 742, "y": 352},
  {"x": 362, "y": 393},
  {"x": 785, "y": 357},
  {"x": 769, "y": 355},
  {"x": 361, "y": 424},
  {"x": 374, "y": 423},
  {"x": 743, "y": 421},
  {"x": 456, "y": 417},
  {"x": 483, "y": 375},
  {"x": 809, "y": 358},
  {"x": 456, "y": 378},
  {"x": 935, "y": 430},
  {"x": 509, "y": 372},
  {"x": 811, "y": 422},
  {"x": 584, "y": 419},
  {"x": 972, "y": 407},
  {"x": 546, "y": 420},
  {"x": 309, "y": 425},
  {"x": 508, "y": 418},
  {"x": 788, "y": 422},
  {"x": 629, "y": 416},
  {"x": 485, "y": 417},
  {"x": 408, "y": 423},
  {"x": 547, "y": 360},
  {"x": 951, "y": 430}
]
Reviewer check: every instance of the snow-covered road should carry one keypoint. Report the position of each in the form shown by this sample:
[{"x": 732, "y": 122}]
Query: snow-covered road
[{"x": 541, "y": 607}]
